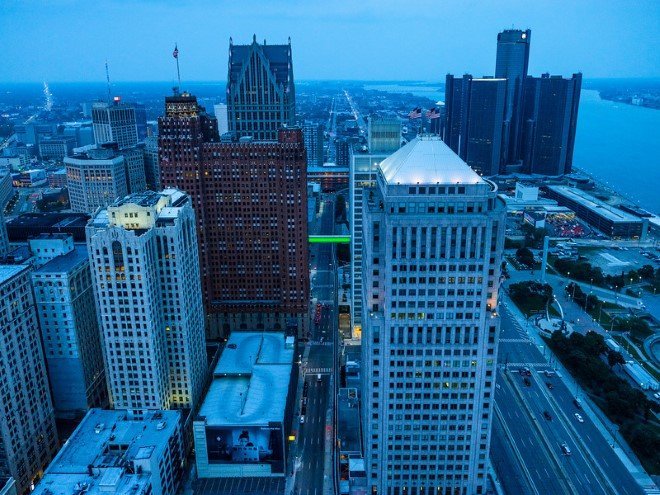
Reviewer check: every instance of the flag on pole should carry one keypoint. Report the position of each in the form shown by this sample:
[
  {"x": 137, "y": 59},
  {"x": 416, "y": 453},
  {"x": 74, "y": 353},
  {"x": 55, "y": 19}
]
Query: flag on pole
[
  {"x": 435, "y": 113},
  {"x": 415, "y": 114},
  {"x": 175, "y": 53}
]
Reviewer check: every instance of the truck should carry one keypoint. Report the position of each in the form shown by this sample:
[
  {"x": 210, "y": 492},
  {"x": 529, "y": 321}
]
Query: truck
[{"x": 640, "y": 376}]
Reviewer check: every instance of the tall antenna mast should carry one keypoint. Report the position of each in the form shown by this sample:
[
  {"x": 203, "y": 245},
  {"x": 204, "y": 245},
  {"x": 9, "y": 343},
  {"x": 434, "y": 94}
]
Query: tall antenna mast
[
  {"x": 107, "y": 78},
  {"x": 175, "y": 54}
]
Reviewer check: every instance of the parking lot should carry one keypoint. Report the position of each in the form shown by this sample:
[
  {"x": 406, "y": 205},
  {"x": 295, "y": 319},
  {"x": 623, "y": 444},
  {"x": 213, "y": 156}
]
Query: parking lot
[{"x": 613, "y": 261}]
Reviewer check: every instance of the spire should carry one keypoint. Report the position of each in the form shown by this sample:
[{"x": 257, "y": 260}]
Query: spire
[
  {"x": 254, "y": 38},
  {"x": 231, "y": 41}
]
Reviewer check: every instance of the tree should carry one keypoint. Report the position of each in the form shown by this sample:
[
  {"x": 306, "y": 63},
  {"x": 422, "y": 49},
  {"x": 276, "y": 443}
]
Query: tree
[
  {"x": 646, "y": 272},
  {"x": 525, "y": 256},
  {"x": 614, "y": 358}
]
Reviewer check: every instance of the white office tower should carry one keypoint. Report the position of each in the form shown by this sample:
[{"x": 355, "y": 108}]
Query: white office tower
[
  {"x": 220, "y": 110},
  {"x": 69, "y": 327},
  {"x": 144, "y": 257},
  {"x": 28, "y": 438},
  {"x": 433, "y": 240},
  {"x": 95, "y": 178},
  {"x": 151, "y": 164},
  {"x": 135, "y": 170},
  {"x": 115, "y": 123}
]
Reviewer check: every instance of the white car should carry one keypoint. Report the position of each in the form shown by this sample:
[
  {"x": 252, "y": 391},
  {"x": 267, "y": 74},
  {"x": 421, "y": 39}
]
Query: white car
[
  {"x": 579, "y": 418},
  {"x": 302, "y": 420}
]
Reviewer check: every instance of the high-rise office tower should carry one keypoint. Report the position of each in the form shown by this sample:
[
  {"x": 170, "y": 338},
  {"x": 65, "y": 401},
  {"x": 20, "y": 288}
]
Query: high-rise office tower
[
  {"x": 95, "y": 179},
  {"x": 115, "y": 123},
  {"x": 250, "y": 198},
  {"x": 383, "y": 134},
  {"x": 475, "y": 121},
  {"x": 261, "y": 96},
  {"x": 69, "y": 327},
  {"x": 135, "y": 169},
  {"x": 313, "y": 134},
  {"x": 342, "y": 152},
  {"x": 220, "y": 111},
  {"x": 433, "y": 241},
  {"x": 511, "y": 64},
  {"x": 28, "y": 439},
  {"x": 144, "y": 257},
  {"x": 550, "y": 110}
]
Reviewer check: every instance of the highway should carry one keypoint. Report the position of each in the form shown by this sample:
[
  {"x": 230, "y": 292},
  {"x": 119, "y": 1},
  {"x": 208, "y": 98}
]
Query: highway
[
  {"x": 314, "y": 466},
  {"x": 527, "y": 447}
]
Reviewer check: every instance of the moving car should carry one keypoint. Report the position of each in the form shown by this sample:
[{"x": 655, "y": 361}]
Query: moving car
[
  {"x": 302, "y": 420},
  {"x": 579, "y": 418},
  {"x": 549, "y": 385},
  {"x": 547, "y": 415},
  {"x": 565, "y": 449}
]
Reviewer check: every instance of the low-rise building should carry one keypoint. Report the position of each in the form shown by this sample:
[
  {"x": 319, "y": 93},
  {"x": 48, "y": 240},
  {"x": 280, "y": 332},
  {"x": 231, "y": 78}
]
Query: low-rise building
[
  {"x": 56, "y": 147},
  {"x": 113, "y": 453},
  {"x": 27, "y": 225},
  {"x": 241, "y": 427},
  {"x": 608, "y": 219}
]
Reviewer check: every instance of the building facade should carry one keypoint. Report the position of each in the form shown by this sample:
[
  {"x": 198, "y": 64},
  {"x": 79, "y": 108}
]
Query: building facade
[
  {"x": 261, "y": 95},
  {"x": 95, "y": 179},
  {"x": 313, "y": 134},
  {"x": 475, "y": 121},
  {"x": 115, "y": 123},
  {"x": 250, "y": 200},
  {"x": 69, "y": 329},
  {"x": 4, "y": 238},
  {"x": 56, "y": 147},
  {"x": 134, "y": 160},
  {"x": 144, "y": 258},
  {"x": 433, "y": 241},
  {"x": 28, "y": 439},
  {"x": 511, "y": 64},
  {"x": 550, "y": 111}
]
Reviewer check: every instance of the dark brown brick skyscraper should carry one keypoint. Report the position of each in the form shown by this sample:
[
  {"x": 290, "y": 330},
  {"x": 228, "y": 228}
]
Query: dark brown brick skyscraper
[{"x": 250, "y": 198}]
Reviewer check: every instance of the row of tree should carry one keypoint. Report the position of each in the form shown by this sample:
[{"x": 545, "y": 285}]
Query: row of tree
[
  {"x": 590, "y": 361},
  {"x": 582, "y": 270}
]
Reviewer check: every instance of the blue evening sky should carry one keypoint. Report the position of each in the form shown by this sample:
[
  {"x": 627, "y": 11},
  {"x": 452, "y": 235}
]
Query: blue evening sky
[{"x": 69, "y": 40}]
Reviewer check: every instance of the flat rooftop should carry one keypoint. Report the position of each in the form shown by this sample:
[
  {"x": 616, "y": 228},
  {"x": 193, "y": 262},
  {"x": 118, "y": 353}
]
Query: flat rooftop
[
  {"x": 245, "y": 349},
  {"x": 427, "y": 160},
  {"x": 596, "y": 205},
  {"x": 89, "y": 445},
  {"x": 348, "y": 421},
  {"x": 66, "y": 262},
  {"x": 9, "y": 271},
  {"x": 241, "y": 486},
  {"x": 251, "y": 380}
]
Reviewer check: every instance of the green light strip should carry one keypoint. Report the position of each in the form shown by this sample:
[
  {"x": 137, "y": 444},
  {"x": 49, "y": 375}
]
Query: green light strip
[{"x": 329, "y": 239}]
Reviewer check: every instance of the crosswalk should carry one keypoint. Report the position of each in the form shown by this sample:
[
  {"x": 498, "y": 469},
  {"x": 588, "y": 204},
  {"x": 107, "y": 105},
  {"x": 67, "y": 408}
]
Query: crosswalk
[
  {"x": 318, "y": 342},
  {"x": 515, "y": 340},
  {"x": 318, "y": 370},
  {"x": 529, "y": 365}
]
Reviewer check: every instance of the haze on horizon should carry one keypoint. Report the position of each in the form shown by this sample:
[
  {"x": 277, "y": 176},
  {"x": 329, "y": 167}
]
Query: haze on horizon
[{"x": 69, "y": 40}]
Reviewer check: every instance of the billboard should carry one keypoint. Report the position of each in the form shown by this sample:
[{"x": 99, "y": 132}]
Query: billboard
[{"x": 247, "y": 444}]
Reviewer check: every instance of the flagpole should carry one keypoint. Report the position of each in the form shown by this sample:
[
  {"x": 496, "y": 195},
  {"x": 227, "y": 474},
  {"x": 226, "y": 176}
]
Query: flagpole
[{"x": 178, "y": 74}]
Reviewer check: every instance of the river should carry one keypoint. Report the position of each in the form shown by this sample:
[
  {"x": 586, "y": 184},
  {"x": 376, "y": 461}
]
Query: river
[{"x": 617, "y": 144}]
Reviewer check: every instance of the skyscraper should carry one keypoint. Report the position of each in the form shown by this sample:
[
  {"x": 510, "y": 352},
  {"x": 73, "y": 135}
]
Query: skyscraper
[
  {"x": 342, "y": 152},
  {"x": 220, "y": 111},
  {"x": 151, "y": 164},
  {"x": 511, "y": 64},
  {"x": 433, "y": 241},
  {"x": 261, "y": 95},
  {"x": 250, "y": 198},
  {"x": 475, "y": 121},
  {"x": 144, "y": 257},
  {"x": 313, "y": 135},
  {"x": 115, "y": 123},
  {"x": 28, "y": 439},
  {"x": 95, "y": 179},
  {"x": 69, "y": 327},
  {"x": 549, "y": 123},
  {"x": 4, "y": 240},
  {"x": 383, "y": 134}
]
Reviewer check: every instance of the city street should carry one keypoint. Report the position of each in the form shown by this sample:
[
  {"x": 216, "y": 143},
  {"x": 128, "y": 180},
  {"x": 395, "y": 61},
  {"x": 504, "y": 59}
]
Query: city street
[
  {"x": 533, "y": 448},
  {"x": 318, "y": 363}
]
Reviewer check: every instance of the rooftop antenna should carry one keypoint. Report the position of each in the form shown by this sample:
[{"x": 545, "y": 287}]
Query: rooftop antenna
[{"x": 107, "y": 78}]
